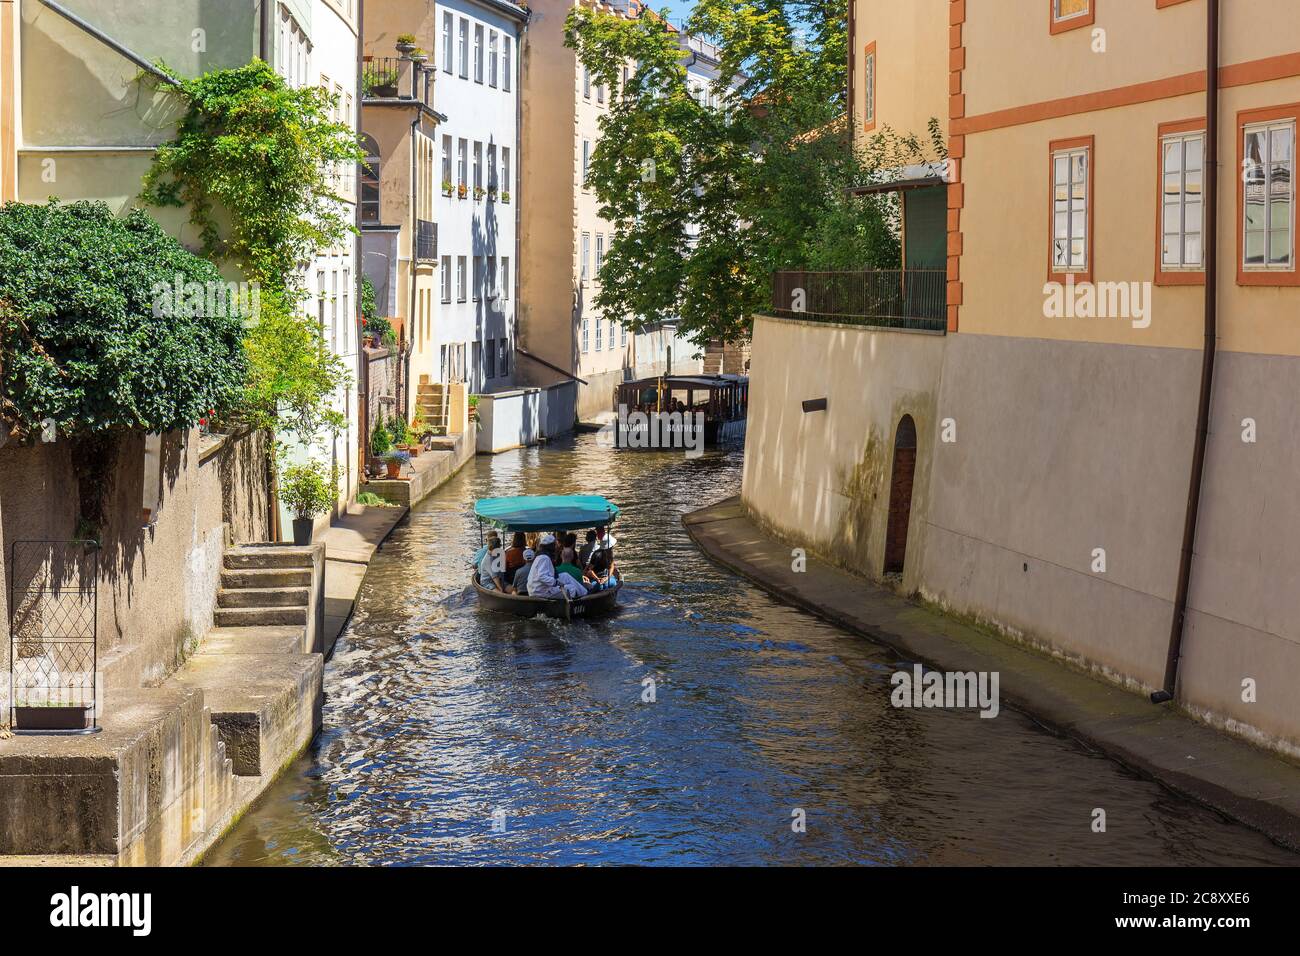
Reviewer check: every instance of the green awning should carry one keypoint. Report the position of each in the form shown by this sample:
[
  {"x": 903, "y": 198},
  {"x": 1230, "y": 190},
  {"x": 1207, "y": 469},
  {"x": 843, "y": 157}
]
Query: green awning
[{"x": 546, "y": 512}]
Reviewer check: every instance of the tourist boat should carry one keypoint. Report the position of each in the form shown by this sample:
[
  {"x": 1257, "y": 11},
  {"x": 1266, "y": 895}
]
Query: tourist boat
[
  {"x": 716, "y": 404},
  {"x": 545, "y": 513}
]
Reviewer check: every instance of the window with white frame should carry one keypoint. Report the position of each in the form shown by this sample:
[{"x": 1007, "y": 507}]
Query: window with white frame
[
  {"x": 1181, "y": 162},
  {"x": 476, "y": 292},
  {"x": 869, "y": 85},
  {"x": 446, "y": 161},
  {"x": 492, "y": 167},
  {"x": 492, "y": 59},
  {"x": 505, "y": 62},
  {"x": 584, "y": 336},
  {"x": 334, "y": 309},
  {"x": 505, "y": 169},
  {"x": 586, "y": 160},
  {"x": 347, "y": 311},
  {"x": 1070, "y": 209},
  {"x": 460, "y": 279},
  {"x": 462, "y": 34},
  {"x": 448, "y": 41},
  {"x": 586, "y": 83},
  {"x": 1268, "y": 177},
  {"x": 622, "y": 334},
  {"x": 478, "y": 53},
  {"x": 600, "y": 252},
  {"x": 505, "y": 277},
  {"x": 446, "y": 278},
  {"x": 586, "y": 254},
  {"x": 492, "y": 290},
  {"x": 611, "y": 335},
  {"x": 462, "y": 170},
  {"x": 599, "y": 325},
  {"x": 478, "y": 165}
]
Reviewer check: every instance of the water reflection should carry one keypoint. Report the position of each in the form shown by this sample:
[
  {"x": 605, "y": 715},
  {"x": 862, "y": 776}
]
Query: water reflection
[{"x": 441, "y": 719}]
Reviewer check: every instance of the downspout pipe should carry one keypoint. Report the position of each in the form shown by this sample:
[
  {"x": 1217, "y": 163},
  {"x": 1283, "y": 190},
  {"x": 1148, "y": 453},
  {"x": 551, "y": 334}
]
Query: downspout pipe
[
  {"x": 1210, "y": 246},
  {"x": 109, "y": 42},
  {"x": 414, "y": 250}
]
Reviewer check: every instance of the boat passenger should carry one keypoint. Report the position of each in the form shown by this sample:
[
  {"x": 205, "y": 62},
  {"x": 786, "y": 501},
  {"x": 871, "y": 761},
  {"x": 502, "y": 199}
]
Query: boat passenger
[
  {"x": 584, "y": 554},
  {"x": 520, "y": 585},
  {"x": 545, "y": 582},
  {"x": 515, "y": 554},
  {"x": 489, "y": 569},
  {"x": 493, "y": 541}
]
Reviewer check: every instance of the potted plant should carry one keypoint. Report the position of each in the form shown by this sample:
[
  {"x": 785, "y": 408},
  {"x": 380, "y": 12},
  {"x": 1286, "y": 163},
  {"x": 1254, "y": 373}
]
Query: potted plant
[
  {"x": 406, "y": 43},
  {"x": 382, "y": 83},
  {"x": 462, "y": 190},
  {"x": 479, "y": 193},
  {"x": 306, "y": 492},
  {"x": 492, "y": 194},
  {"x": 448, "y": 187},
  {"x": 419, "y": 56},
  {"x": 505, "y": 195},
  {"x": 394, "y": 460},
  {"x": 380, "y": 444}
]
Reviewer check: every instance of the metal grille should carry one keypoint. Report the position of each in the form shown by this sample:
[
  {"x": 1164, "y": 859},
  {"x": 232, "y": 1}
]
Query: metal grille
[
  {"x": 426, "y": 240},
  {"x": 53, "y": 611},
  {"x": 888, "y": 298}
]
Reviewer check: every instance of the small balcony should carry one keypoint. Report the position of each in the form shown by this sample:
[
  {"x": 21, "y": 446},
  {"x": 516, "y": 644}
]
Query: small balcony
[
  {"x": 884, "y": 298},
  {"x": 400, "y": 78}
]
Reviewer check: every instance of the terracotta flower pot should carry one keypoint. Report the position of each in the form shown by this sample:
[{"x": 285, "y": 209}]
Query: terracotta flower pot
[{"x": 394, "y": 468}]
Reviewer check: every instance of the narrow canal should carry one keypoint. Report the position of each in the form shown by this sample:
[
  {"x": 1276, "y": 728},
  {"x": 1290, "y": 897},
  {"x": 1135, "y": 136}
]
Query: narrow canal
[{"x": 454, "y": 736}]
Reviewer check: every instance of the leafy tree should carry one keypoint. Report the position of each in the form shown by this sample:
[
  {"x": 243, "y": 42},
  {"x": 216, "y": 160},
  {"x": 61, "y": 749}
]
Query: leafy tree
[
  {"x": 709, "y": 200},
  {"x": 262, "y": 151},
  {"x": 84, "y": 341}
]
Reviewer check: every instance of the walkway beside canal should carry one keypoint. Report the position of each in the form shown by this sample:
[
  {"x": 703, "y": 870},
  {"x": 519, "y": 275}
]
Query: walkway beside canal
[{"x": 1252, "y": 786}]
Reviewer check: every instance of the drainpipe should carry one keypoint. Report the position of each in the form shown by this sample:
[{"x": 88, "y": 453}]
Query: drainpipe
[
  {"x": 516, "y": 191},
  {"x": 1210, "y": 246},
  {"x": 108, "y": 41},
  {"x": 415, "y": 245}
]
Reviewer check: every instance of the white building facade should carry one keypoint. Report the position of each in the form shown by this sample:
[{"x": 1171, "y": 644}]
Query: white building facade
[
  {"x": 477, "y": 202},
  {"x": 317, "y": 42}
]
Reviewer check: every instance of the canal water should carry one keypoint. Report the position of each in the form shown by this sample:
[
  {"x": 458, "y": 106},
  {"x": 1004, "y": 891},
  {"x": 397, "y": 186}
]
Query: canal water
[{"x": 456, "y": 736}]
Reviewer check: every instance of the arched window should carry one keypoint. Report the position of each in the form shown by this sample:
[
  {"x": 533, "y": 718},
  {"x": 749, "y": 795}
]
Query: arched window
[{"x": 368, "y": 173}]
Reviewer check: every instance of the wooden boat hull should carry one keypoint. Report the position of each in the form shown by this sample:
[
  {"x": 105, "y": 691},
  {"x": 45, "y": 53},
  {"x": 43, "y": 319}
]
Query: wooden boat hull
[{"x": 593, "y": 605}]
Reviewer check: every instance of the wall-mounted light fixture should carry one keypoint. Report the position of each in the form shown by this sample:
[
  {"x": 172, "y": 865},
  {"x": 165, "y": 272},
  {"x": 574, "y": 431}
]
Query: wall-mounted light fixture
[{"x": 814, "y": 405}]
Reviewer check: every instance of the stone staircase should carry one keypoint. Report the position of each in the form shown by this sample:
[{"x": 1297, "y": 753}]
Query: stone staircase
[
  {"x": 433, "y": 403},
  {"x": 264, "y": 587}
]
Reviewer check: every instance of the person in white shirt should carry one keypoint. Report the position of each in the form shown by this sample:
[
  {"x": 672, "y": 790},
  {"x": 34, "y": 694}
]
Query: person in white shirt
[
  {"x": 491, "y": 567},
  {"x": 543, "y": 582}
]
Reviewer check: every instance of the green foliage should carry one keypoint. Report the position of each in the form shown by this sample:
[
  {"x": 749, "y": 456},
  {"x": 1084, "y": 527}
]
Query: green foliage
[
  {"x": 400, "y": 432},
  {"x": 292, "y": 374},
  {"x": 381, "y": 443},
  {"x": 708, "y": 201},
  {"x": 81, "y": 340},
  {"x": 306, "y": 489},
  {"x": 369, "y": 306},
  {"x": 370, "y": 498},
  {"x": 261, "y": 151},
  {"x": 382, "y": 329}
]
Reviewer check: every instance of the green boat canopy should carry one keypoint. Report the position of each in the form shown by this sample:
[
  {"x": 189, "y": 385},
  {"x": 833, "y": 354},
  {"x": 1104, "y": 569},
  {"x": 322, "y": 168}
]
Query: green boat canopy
[{"x": 546, "y": 512}]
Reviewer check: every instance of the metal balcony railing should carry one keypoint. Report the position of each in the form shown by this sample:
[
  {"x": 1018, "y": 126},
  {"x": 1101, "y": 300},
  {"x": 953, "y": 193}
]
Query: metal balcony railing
[
  {"x": 396, "y": 77},
  {"x": 886, "y": 298}
]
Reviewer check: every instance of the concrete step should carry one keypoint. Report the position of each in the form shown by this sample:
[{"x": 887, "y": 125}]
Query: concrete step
[
  {"x": 266, "y": 578},
  {"x": 276, "y": 639},
  {"x": 265, "y": 707},
  {"x": 258, "y": 616},
  {"x": 268, "y": 556},
  {"x": 263, "y": 597}
]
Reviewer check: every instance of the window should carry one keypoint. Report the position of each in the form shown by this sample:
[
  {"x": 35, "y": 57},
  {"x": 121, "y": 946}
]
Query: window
[
  {"x": 347, "y": 310},
  {"x": 492, "y": 59},
  {"x": 505, "y": 68},
  {"x": 503, "y": 358},
  {"x": 463, "y": 31},
  {"x": 460, "y": 279},
  {"x": 492, "y": 290},
  {"x": 599, "y": 325},
  {"x": 623, "y": 88},
  {"x": 446, "y": 278},
  {"x": 611, "y": 335},
  {"x": 490, "y": 359},
  {"x": 505, "y": 169},
  {"x": 1070, "y": 14},
  {"x": 1268, "y": 196},
  {"x": 622, "y": 335},
  {"x": 477, "y": 292},
  {"x": 447, "y": 41},
  {"x": 369, "y": 175},
  {"x": 586, "y": 160},
  {"x": 584, "y": 336},
  {"x": 492, "y": 167},
  {"x": 505, "y": 277},
  {"x": 869, "y": 88},
  {"x": 320, "y": 300},
  {"x": 586, "y": 254},
  {"x": 477, "y": 354},
  {"x": 1071, "y": 209},
  {"x": 478, "y": 53},
  {"x": 586, "y": 83},
  {"x": 446, "y": 161},
  {"x": 478, "y": 165},
  {"x": 334, "y": 308},
  {"x": 600, "y": 252},
  {"x": 1182, "y": 150},
  {"x": 462, "y": 148},
  {"x": 600, "y": 94}
]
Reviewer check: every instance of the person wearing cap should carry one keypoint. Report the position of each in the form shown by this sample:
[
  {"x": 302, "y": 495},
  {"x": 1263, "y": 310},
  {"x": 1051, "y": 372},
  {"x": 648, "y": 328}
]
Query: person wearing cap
[
  {"x": 520, "y": 585},
  {"x": 491, "y": 567}
]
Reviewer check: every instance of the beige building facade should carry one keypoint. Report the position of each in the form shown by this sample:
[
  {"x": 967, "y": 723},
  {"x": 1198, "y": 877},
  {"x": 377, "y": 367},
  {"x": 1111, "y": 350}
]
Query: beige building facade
[{"x": 1053, "y": 421}]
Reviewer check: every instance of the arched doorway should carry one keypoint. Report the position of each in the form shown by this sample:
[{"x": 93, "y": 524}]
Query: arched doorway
[{"x": 900, "y": 495}]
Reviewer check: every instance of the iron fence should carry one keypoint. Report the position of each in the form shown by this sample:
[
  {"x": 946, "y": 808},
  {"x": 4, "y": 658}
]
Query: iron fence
[
  {"x": 887, "y": 298},
  {"x": 53, "y": 655},
  {"x": 395, "y": 77}
]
